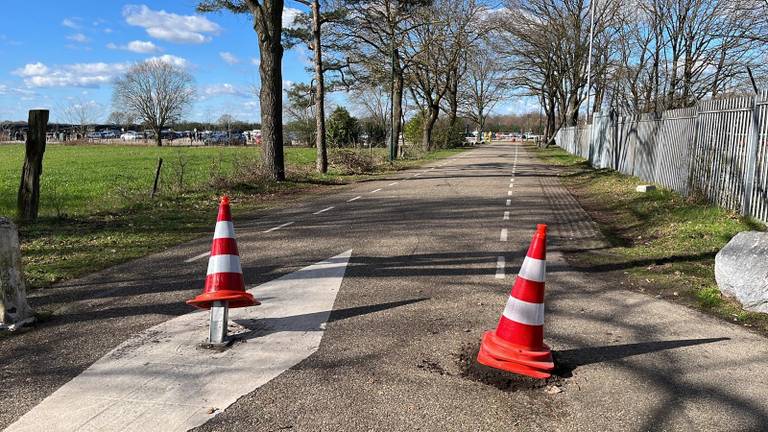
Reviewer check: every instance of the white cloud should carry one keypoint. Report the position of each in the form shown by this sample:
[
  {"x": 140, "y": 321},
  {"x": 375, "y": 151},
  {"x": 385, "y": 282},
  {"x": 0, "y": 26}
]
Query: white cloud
[
  {"x": 255, "y": 61},
  {"x": 229, "y": 57},
  {"x": 23, "y": 93},
  {"x": 32, "y": 69},
  {"x": 78, "y": 37},
  {"x": 71, "y": 23},
  {"x": 137, "y": 46},
  {"x": 71, "y": 75},
  {"x": 289, "y": 16},
  {"x": 226, "y": 89},
  {"x": 171, "y": 59},
  {"x": 107, "y": 30},
  {"x": 169, "y": 26}
]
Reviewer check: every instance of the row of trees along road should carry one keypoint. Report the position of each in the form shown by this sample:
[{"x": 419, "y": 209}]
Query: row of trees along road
[
  {"x": 647, "y": 55},
  {"x": 461, "y": 57},
  {"x": 418, "y": 46}
]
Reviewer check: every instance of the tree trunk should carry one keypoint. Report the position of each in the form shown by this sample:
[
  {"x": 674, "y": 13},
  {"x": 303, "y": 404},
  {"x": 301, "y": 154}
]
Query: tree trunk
[
  {"x": 428, "y": 126},
  {"x": 321, "y": 160},
  {"x": 397, "y": 110},
  {"x": 29, "y": 189},
  {"x": 268, "y": 25},
  {"x": 14, "y": 310},
  {"x": 158, "y": 136}
]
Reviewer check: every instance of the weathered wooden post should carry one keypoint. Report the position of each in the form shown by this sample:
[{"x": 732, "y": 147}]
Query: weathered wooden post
[
  {"x": 29, "y": 189},
  {"x": 14, "y": 310}
]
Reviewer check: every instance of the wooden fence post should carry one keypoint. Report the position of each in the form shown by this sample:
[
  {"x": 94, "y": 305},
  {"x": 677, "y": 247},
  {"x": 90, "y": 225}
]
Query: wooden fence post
[
  {"x": 751, "y": 167},
  {"x": 157, "y": 177},
  {"x": 29, "y": 189}
]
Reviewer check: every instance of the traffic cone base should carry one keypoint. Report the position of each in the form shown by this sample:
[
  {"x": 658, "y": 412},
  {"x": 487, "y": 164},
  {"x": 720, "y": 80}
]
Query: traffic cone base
[
  {"x": 516, "y": 368},
  {"x": 501, "y": 350},
  {"x": 234, "y": 299}
]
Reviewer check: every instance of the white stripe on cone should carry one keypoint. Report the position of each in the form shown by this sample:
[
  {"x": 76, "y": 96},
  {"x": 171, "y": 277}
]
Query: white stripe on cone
[
  {"x": 224, "y": 264},
  {"x": 524, "y": 312},
  {"x": 533, "y": 269},
  {"x": 224, "y": 229}
]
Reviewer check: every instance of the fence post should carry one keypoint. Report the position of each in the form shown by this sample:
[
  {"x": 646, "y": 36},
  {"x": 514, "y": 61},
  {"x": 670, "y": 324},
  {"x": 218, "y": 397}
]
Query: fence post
[
  {"x": 28, "y": 199},
  {"x": 752, "y": 146}
]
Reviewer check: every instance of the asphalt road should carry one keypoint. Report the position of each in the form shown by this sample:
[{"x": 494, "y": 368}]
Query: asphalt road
[{"x": 424, "y": 281}]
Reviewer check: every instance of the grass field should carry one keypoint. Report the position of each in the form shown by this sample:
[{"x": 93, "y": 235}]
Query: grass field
[
  {"x": 79, "y": 180},
  {"x": 95, "y": 209},
  {"x": 661, "y": 242}
]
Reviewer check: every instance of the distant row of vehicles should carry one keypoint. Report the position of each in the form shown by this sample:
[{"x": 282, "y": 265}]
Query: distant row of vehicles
[{"x": 206, "y": 137}]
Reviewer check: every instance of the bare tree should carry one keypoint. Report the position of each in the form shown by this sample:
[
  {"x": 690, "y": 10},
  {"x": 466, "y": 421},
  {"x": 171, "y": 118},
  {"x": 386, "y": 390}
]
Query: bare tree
[
  {"x": 226, "y": 121},
  {"x": 486, "y": 83},
  {"x": 371, "y": 36},
  {"x": 268, "y": 23},
  {"x": 81, "y": 113},
  {"x": 156, "y": 92},
  {"x": 121, "y": 118}
]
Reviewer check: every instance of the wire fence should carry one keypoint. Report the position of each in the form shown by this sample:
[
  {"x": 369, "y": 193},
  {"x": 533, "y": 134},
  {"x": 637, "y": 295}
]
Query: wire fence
[{"x": 718, "y": 149}]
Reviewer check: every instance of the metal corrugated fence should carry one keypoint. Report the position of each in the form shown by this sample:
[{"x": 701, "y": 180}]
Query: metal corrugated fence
[{"x": 718, "y": 149}]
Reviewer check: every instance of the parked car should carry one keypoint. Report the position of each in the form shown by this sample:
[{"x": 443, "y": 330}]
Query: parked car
[
  {"x": 108, "y": 134},
  {"x": 130, "y": 136}
]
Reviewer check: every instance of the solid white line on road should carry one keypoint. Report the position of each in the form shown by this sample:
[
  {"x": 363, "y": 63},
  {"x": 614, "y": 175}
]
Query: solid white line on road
[
  {"x": 509, "y": 202},
  {"x": 506, "y": 215},
  {"x": 197, "y": 257},
  {"x": 393, "y": 183},
  {"x": 354, "y": 199},
  {"x": 500, "y": 267},
  {"x": 503, "y": 236},
  {"x": 374, "y": 191},
  {"x": 322, "y": 211},
  {"x": 147, "y": 378},
  {"x": 278, "y": 227}
]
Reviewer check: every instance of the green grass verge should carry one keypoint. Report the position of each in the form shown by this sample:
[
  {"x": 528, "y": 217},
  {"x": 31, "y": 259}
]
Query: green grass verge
[
  {"x": 96, "y": 211},
  {"x": 660, "y": 242}
]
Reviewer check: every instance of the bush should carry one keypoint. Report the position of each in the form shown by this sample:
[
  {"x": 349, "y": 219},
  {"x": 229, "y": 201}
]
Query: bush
[
  {"x": 443, "y": 135},
  {"x": 342, "y": 129},
  {"x": 347, "y": 161}
]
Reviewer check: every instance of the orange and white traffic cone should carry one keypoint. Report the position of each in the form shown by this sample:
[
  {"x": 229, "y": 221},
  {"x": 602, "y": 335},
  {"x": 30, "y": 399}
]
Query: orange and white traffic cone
[
  {"x": 517, "y": 345},
  {"x": 224, "y": 280}
]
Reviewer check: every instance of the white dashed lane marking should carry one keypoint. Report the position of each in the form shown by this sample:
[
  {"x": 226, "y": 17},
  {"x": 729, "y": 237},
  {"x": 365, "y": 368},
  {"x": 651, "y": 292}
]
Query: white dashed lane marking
[
  {"x": 197, "y": 257},
  {"x": 503, "y": 235},
  {"x": 374, "y": 191},
  {"x": 500, "y": 267},
  {"x": 354, "y": 199},
  {"x": 322, "y": 211},
  {"x": 279, "y": 227},
  {"x": 506, "y": 215}
]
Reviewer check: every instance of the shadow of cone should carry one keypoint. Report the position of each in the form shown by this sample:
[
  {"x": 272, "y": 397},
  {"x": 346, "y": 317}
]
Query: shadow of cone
[
  {"x": 517, "y": 344},
  {"x": 224, "y": 280}
]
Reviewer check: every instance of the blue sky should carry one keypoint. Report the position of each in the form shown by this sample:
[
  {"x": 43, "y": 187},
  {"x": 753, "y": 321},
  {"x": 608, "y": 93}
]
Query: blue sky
[{"x": 52, "y": 55}]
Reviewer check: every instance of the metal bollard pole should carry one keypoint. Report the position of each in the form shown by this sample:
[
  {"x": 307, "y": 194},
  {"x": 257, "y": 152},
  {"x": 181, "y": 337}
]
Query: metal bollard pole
[{"x": 219, "y": 320}]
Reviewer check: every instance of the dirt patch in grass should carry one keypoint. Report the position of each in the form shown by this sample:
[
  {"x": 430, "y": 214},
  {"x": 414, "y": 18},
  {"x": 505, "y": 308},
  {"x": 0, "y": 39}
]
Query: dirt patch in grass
[{"x": 659, "y": 243}]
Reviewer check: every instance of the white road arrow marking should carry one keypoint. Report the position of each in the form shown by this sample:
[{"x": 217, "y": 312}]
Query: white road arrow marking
[{"x": 161, "y": 378}]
